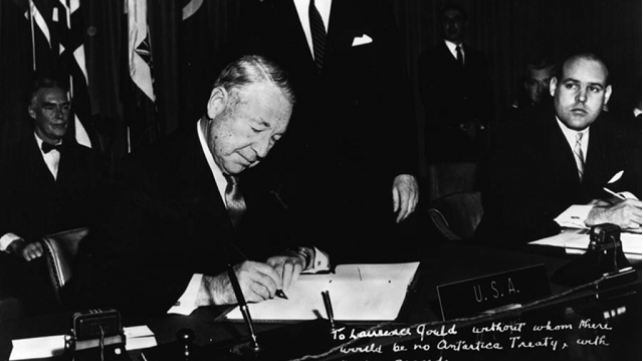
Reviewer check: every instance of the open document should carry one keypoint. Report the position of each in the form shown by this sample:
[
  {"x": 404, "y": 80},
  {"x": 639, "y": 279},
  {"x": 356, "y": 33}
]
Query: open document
[
  {"x": 359, "y": 292},
  {"x": 576, "y": 240}
]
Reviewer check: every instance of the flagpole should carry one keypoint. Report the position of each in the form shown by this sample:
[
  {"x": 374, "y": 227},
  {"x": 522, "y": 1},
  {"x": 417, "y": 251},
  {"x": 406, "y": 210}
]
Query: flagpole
[{"x": 33, "y": 38}]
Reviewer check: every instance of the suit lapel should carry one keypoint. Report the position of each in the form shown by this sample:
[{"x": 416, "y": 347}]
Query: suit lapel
[{"x": 561, "y": 154}]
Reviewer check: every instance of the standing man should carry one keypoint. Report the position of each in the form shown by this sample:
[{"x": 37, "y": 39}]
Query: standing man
[
  {"x": 46, "y": 186},
  {"x": 350, "y": 158},
  {"x": 550, "y": 172},
  {"x": 190, "y": 207},
  {"x": 455, "y": 91}
]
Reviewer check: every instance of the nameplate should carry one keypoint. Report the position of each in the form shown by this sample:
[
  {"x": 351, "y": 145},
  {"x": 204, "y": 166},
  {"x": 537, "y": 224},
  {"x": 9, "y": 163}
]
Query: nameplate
[{"x": 496, "y": 291}]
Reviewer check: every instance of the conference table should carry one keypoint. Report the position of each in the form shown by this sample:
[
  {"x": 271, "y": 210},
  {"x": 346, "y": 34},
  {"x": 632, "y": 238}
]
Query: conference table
[{"x": 582, "y": 322}]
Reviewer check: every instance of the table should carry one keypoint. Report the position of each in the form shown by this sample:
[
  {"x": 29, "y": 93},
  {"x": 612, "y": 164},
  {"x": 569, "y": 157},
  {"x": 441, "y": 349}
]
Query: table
[{"x": 580, "y": 325}]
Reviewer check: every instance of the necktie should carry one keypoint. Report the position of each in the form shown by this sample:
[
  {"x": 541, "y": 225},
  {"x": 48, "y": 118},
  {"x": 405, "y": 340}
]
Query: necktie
[
  {"x": 46, "y": 147},
  {"x": 234, "y": 200},
  {"x": 578, "y": 155},
  {"x": 458, "y": 55},
  {"x": 318, "y": 33}
]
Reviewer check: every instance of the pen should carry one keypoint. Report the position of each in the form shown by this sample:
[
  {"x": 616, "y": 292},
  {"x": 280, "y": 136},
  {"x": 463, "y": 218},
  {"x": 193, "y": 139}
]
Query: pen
[
  {"x": 612, "y": 193},
  {"x": 242, "y": 305},
  {"x": 281, "y": 294},
  {"x": 329, "y": 308}
]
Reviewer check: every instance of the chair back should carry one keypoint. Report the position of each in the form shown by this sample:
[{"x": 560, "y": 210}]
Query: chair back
[
  {"x": 457, "y": 215},
  {"x": 60, "y": 251},
  {"x": 451, "y": 177}
]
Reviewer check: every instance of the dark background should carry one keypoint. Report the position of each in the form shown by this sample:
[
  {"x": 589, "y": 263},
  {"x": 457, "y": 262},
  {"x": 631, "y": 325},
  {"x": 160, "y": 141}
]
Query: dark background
[{"x": 188, "y": 54}]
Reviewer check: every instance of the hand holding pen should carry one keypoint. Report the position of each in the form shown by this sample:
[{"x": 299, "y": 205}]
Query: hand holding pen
[
  {"x": 257, "y": 281},
  {"x": 288, "y": 267}
]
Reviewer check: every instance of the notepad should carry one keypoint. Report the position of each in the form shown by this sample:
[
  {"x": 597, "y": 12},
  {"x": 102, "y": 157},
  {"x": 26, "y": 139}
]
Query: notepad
[
  {"x": 577, "y": 241},
  {"x": 358, "y": 292}
]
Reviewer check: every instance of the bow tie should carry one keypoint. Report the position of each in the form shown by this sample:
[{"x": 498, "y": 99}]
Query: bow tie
[{"x": 46, "y": 147}]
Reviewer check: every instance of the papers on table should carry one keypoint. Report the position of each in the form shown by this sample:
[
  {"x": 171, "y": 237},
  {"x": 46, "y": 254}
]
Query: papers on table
[
  {"x": 360, "y": 292},
  {"x": 577, "y": 241},
  {"x": 45, "y": 347}
]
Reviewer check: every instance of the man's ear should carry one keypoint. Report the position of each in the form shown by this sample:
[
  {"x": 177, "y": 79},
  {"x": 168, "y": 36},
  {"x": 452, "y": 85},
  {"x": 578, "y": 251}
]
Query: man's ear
[
  {"x": 31, "y": 111},
  {"x": 553, "y": 82},
  {"x": 217, "y": 102},
  {"x": 608, "y": 94}
]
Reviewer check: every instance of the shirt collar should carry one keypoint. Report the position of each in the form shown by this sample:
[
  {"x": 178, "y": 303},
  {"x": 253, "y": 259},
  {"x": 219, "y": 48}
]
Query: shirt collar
[{"x": 214, "y": 168}]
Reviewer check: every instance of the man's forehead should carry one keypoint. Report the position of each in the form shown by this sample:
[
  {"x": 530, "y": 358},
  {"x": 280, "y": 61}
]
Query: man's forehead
[
  {"x": 585, "y": 70},
  {"x": 540, "y": 73}
]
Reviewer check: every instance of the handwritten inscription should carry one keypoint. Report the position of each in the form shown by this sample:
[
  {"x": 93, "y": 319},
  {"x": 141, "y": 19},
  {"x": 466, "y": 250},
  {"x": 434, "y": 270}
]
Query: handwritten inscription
[{"x": 437, "y": 343}]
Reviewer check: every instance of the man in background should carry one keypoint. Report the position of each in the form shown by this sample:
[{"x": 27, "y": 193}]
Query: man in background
[
  {"x": 552, "y": 171},
  {"x": 455, "y": 91},
  {"x": 534, "y": 89},
  {"x": 47, "y": 183}
]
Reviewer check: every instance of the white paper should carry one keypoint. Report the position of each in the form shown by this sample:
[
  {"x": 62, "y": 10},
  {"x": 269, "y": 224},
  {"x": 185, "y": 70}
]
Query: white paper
[
  {"x": 361, "y": 292},
  {"x": 44, "y": 347},
  {"x": 579, "y": 240}
]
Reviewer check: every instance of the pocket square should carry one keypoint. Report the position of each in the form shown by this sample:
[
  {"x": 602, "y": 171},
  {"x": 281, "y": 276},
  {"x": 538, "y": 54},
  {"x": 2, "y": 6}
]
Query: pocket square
[{"x": 361, "y": 40}]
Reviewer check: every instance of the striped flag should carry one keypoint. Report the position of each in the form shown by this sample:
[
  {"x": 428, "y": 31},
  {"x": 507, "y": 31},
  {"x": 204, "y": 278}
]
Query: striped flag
[{"x": 139, "y": 49}]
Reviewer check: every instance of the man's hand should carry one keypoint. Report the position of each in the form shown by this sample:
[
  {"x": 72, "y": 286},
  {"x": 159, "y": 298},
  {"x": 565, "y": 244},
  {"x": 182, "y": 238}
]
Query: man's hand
[
  {"x": 405, "y": 196},
  {"x": 288, "y": 267},
  {"x": 258, "y": 281},
  {"x": 625, "y": 214},
  {"x": 24, "y": 250}
]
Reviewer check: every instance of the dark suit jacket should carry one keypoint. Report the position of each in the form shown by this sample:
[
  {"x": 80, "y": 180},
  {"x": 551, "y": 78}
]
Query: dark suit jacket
[
  {"x": 452, "y": 94},
  {"x": 532, "y": 176},
  {"x": 167, "y": 221},
  {"x": 33, "y": 202},
  {"x": 352, "y": 129}
]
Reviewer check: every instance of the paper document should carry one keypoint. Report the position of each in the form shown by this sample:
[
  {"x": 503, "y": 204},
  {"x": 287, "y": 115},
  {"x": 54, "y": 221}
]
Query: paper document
[
  {"x": 359, "y": 292},
  {"x": 137, "y": 337},
  {"x": 577, "y": 239}
]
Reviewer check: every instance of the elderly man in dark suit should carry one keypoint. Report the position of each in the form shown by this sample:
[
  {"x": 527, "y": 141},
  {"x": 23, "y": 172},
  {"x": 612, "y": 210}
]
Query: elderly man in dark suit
[
  {"x": 190, "y": 207},
  {"x": 551, "y": 171},
  {"x": 455, "y": 91},
  {"x": 350, "y": 158},
  {"x": 47, "y": 183}
]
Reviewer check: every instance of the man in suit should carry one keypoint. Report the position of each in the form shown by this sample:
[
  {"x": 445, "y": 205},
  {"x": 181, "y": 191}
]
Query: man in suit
[
  {"x": 551, "y": 171},
  {"x": 350, "y": 157},
  {"x": 534, "y": 90},
  {"x": 455, "y": 92},
  {"x": 47, "y": 183},
  {"x": 187, "y": 211}
]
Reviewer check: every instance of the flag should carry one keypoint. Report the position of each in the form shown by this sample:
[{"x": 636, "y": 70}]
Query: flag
[
  {"x": 190, "y": 8},
  {"x": 139, "y": 49},
  {"x": 57, "y": 49}
]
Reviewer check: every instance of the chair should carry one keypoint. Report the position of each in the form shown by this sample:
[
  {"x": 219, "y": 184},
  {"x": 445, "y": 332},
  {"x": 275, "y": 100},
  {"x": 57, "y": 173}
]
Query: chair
[
  {"x": 60, "y": 250},
  {"x": 457, "y": 215},
  {"x": 451, "y": 177}
]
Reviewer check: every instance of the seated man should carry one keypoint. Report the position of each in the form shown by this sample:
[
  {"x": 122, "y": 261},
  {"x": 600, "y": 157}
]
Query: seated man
[
  {"x": 188, "y": 211},
  {"x": 46, "y": 185},
  {"x": 560, "y": 162}
]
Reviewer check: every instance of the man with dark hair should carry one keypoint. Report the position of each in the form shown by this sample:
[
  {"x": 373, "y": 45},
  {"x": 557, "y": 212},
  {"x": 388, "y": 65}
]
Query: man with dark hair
[
  {"x": 455, "y": 92},
  {"x": 46, "y": 187},
  {"x": 552, "y": 170},
  {"x": 191, "y": 207}
]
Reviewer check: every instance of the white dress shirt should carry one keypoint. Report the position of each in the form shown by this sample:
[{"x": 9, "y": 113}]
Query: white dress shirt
[
  {"x": 452, "y": 46},
  {"x": 323, "y": 6},
  {"x": 576, "y": 214},
  {"x": 571, "y": 135}
]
